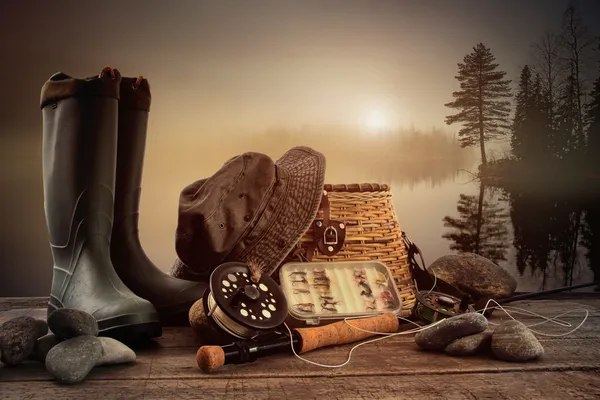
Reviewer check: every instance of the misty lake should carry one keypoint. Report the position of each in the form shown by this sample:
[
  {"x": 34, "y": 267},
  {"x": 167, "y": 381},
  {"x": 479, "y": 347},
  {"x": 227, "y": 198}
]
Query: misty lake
[{"x": 543, "y": 239}]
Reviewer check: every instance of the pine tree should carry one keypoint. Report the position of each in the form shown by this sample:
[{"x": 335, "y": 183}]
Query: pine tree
[
  {"x": 593, "y": 119},
  {"x": 523, "y": 104},
  {"x": 482, "y": 100}
]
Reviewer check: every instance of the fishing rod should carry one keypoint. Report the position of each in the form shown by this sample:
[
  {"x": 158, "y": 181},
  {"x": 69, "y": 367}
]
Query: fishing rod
[{"x": 303, "y": 340}]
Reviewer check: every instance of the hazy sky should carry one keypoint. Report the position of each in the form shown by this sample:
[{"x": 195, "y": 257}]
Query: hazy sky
[
  {"x": 246, "y": 64},
  {"x": 221, "y": 66}
]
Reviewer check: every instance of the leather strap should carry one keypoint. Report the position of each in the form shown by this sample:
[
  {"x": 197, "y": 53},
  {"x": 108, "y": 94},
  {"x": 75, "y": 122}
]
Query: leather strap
[{"x": 328, "y": 235}]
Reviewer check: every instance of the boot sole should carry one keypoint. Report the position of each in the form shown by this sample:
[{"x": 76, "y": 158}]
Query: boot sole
[{"x": 128, "y": 328}]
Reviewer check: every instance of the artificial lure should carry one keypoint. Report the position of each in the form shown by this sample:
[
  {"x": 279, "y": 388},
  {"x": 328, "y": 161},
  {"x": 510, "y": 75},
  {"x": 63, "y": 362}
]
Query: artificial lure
[
  {"x": 299, "y": 284},
  {"x": 387, "y": 299},
  {"x": 329, "y": 308},
  {"x": 298, "y": 275},
  {"x": 326, "y": 302},
  {"x": 321, "y": 285},
  {"x": 305, "y": 307},
  {"x": 382, "y": 280},
  {"x": 360, "y": 275},
  {"x": 371, "y": 305},
  {"x": 367, "y": 292}
]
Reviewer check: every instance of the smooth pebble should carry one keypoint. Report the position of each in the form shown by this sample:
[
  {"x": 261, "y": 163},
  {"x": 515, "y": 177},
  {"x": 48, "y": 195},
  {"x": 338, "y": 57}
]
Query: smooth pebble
[
  {"x": 72, "y": 360},
  {"x": 115, "y": 352},
  {"x": 513, "y": 341},
  {"x": 448, "y": 330},
  {"x": 470, "y": 345},
  {"x": 68, "y": 323}
]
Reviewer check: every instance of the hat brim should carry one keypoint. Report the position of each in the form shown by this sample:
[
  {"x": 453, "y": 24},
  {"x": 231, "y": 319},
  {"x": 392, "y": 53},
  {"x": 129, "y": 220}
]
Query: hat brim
[{"x": 298, "y": 207}]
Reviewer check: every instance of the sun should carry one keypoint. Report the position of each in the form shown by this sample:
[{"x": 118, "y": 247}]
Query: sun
[{"x": 376, "y": 121}]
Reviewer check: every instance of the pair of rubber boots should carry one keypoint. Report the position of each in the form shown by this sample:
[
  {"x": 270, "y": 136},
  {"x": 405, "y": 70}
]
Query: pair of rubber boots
[{"x": 94, "y": 137}]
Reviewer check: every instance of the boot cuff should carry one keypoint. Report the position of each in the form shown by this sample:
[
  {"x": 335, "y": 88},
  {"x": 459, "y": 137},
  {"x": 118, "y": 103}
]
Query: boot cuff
[{"x": 61, "y": 86}]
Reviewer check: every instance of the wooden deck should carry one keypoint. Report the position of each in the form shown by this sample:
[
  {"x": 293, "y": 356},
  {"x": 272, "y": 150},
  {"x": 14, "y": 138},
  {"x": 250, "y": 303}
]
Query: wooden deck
[{"x": 390, "y": 369}]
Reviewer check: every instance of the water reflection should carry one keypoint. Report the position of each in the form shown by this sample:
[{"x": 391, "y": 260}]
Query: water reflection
[
  {"x": 555, "y": 236},
  {"x": 480, "y": 227}
]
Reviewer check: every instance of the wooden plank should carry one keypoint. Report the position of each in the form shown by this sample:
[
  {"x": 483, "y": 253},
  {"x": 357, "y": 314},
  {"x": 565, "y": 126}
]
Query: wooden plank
[
  {"x": 508, "y": 386},
  {"x": 8, "y": 303},
  {"x": 386, "y": 358},
  {"x": 185, "y": 337}
]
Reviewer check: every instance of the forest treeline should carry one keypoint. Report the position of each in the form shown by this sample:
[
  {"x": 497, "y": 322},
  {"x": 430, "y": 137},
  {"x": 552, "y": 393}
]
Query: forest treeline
[{"x": 553, "y": 113}]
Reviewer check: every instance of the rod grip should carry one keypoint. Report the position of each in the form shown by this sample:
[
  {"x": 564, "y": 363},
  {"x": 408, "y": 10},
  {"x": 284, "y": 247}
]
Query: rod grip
[{"x": 342, "y": 333}]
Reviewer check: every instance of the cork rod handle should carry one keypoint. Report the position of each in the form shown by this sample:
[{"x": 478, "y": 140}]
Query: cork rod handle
[{"x": 344, "y": 333}]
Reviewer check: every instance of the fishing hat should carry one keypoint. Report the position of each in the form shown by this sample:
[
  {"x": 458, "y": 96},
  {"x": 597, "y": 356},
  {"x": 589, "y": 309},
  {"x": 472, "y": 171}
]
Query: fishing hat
[{"x": 253, "y": 209}]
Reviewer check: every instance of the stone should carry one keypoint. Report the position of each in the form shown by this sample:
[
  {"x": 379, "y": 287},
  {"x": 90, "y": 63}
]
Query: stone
[
  {"x": 470, "y": 345},
  {"x": 41, "y": 327},
  {"x": 513, "y": 341},
  {"x": 448, "y": 330},
  {"x": 43, "y": 346},
  {"x": 17, "y": 339},
  {"x": 115, "y": 352},
  {"x": 68, "y": 323},
  {"x": 72, "y": 360},
  {"x": 474, "y": 275}
]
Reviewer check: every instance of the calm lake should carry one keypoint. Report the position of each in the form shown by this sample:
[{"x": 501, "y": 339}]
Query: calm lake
[{"x": 545, "y": 240}]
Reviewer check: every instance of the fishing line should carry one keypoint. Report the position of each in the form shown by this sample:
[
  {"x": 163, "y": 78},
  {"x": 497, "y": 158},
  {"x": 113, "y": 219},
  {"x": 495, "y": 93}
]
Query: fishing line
[
  {"x": 226, "y": 323},
  {"x": 516, "y": 310}
]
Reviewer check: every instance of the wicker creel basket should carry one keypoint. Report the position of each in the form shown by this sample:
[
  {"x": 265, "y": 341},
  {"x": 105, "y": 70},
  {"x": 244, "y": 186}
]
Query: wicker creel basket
[{"x": 372, "y": 233}]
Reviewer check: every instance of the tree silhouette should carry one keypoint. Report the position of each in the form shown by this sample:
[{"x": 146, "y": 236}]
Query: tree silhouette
[
  {"x": 591, "y": 237},
  {"x": 530, "y": 139},
  {"x": 480, "y": 227},
  {"x": 593, "y": 119},
  {"x": 530, "y": 218},
  {"x": 482, "y": 100},
  {"x": 547, "y": 63},
  {"x": 576, "y": 44}
]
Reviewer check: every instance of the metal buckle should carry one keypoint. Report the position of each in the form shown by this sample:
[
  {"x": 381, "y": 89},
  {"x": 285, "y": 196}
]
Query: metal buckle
[{"x": 335, "y": 234}]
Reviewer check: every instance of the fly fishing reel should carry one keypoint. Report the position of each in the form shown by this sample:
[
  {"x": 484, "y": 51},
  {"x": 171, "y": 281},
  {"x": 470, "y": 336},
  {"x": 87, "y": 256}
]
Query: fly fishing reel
[
  {"x": 430, "y": 305},
  {"x": 243, "y": 302}
]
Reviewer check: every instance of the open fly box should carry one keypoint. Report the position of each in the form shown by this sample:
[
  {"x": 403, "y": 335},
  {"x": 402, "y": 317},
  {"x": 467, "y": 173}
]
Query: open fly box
[{"x": 320, "y": 291}]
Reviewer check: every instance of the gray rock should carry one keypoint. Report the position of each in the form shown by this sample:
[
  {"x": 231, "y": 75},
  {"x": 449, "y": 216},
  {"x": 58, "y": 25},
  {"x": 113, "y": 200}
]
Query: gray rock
[
  {"x": 68, "y": 323},
  {"x": 450, "y": 329},
  {"x": 115, "y": 352},
  {"x": 70, "y": 361},
  {"x": 17, "y": 339},
  {"x": 42, "y": 328},
  {"x": 43, "y": 346},
  {"x": 513, "y": 341},
  {"x": 470, "y": 345},
  {"x": 475, "y": 275}
]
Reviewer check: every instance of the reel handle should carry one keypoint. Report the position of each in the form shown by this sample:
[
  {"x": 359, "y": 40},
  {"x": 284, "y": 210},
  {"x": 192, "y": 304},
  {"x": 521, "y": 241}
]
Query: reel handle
[{"x": 345, "y": 332}]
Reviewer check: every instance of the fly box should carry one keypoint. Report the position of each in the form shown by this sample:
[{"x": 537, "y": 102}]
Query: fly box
[{"x": 320, "y": 291}]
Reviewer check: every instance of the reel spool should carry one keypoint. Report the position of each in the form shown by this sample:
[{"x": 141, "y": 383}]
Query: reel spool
[
  {"x": 240, "y": 306},
  {"x": 434, "y": 306}
]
